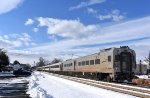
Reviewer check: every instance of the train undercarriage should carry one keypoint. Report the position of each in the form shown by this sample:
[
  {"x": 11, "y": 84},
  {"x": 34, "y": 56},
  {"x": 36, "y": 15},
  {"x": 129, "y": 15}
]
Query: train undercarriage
[{"x": 119, "y": 77}]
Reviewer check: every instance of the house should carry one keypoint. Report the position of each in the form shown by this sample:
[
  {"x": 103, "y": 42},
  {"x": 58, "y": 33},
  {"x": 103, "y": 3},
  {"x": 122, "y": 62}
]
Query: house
[{"x": 141, "y": 68}]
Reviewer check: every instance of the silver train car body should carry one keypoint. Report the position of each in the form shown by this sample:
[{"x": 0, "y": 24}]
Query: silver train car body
[
  {"x": 51, "y": 67},
  {"x": 112, "y": 64},
  {"x": 56, "y": 66}
]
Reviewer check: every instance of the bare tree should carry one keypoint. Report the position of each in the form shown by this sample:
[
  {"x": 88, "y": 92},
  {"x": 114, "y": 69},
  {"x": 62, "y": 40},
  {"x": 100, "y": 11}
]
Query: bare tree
[
  {"x": 26, "y": 66},
  {"x": 148, "y": 61},
  {"x": 42, "y": 62},
  {"x": 4, "y": 59},
  {"x": 56, "y": 60}
]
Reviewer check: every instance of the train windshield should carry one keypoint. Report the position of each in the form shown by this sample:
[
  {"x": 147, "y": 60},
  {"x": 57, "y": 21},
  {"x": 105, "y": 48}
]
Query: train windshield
[{"x": 126, "y": 62}]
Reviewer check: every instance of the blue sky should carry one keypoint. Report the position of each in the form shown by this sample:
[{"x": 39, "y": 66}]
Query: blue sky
[{"x": 30, "y": 29}]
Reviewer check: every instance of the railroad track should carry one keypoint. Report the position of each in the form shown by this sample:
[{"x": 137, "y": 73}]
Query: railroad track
[{"x": 134, "y": 91}]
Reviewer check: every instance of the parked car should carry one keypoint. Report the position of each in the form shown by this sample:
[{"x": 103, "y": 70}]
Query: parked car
[
  {"x": 7, "y": 69},
  {"x": 21, "y": 72}
]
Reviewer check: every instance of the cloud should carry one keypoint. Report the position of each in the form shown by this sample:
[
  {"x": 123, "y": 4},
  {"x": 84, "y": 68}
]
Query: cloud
[
  {"x": 115, "y": 15},
  {"x": 77, "y": 30},
  {"x": 29, "y": 22},
  {"x": 25, "y": 38},
  {"x": 87, "y": 3},
  {"x": 12, "y": 41},
  {"x": 67, "y": 28},
  {"x": 8, "y": 5},
  {"x": 91, "y": 11},
  {"x": 8, "y": 44},
  {"x": 53, "y": 37},
  {"x": 130, "y": 33},
  {"x": 25, "y": 59},
  {"x": 35, "y": 29},
  {"x": 6, "y": 36}
]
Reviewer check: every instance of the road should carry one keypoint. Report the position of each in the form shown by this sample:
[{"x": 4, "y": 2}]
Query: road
[{"x": 13, "y": 87}]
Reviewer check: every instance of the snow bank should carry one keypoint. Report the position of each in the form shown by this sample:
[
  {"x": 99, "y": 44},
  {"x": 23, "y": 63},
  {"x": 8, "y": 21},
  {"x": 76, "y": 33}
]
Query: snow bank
[
  {"x": 6, "y": 74},
  {"x": 46, "y": 86},
  {"x": 15, "y": 80},
  {"x": 35, "y": 90},
  {"x": 143, "y": 76}
]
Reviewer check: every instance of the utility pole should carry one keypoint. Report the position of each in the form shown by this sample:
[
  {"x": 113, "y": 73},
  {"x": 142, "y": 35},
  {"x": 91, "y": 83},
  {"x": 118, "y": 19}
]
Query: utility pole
[
  {"x": 149, "y": 63},
  {"x": 140, "y": 67},
  {"x": 34, "y": 63}
]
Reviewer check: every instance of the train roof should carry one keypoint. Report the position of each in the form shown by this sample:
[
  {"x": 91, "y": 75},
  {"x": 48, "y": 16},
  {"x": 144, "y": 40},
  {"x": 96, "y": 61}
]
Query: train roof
[
  {"x": 104, "y": 50},
  {"x": 55, "y": 64},
  {"x": 101, "y": 51},
  {"x": 43, "y": 66}
]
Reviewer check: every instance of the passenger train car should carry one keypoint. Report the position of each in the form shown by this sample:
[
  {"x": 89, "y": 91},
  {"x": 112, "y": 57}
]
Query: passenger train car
[{"x": 112, "y": 64}]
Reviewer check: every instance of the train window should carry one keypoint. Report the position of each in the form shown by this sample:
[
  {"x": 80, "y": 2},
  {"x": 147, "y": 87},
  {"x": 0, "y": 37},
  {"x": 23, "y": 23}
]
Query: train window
[
  {"x": 97, "y": 61},
  {"x": 79, "y": 63},
  {"x": 117, "y": 57},
  {"x": 87, "y": 62},
  {"x": 134, "y": 58},
  {"x": 91, "y": 62},
  {"x": 83, "y": 63},
  {"x": 57, "y": 66},
  {"x": 109, "y": 58},
  {"x": 70, "y": 64},
  {"x": 74, "y": 63}
]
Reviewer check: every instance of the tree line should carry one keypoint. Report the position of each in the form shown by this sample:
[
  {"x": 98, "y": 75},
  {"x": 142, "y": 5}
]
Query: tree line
[
  {"x": 4, "y": 61},
  {"x": 44, "y": 62}
]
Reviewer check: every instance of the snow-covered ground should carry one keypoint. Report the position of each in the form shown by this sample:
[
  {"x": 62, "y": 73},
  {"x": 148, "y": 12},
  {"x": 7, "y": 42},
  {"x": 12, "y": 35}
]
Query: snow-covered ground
[
  {"x": 6, "y": 74},
  {"x": 12, "y": 80},
  {"x": 144, "y": 76},
  {"x": 15, "y": 80},
  {"x": 43, "y": 85}
]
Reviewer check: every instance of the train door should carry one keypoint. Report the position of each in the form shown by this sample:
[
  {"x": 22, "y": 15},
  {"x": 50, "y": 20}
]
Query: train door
[
  {"x": 61, "y": 66},
  {"x": 126, "y": 62},
  {"x": 74, "y": 64}
]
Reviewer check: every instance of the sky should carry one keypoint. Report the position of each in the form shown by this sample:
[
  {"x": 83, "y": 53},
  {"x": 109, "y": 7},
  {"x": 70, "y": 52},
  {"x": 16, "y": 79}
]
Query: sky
[{"x": 66, "y": 29}]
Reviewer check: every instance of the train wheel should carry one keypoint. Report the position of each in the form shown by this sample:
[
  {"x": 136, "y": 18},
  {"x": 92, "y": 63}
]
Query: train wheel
[
  {"x": 108, "y": 79},
  {"x": 99, "y": 76}
]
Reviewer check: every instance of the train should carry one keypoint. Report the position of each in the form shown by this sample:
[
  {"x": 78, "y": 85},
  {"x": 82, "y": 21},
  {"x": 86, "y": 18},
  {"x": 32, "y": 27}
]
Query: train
[{"x": 111, "y": 64}]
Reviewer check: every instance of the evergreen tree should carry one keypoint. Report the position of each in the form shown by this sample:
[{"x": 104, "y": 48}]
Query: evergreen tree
[
  {"x": 16, "y": 62},
  {"x": 4, "y": 59}
]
